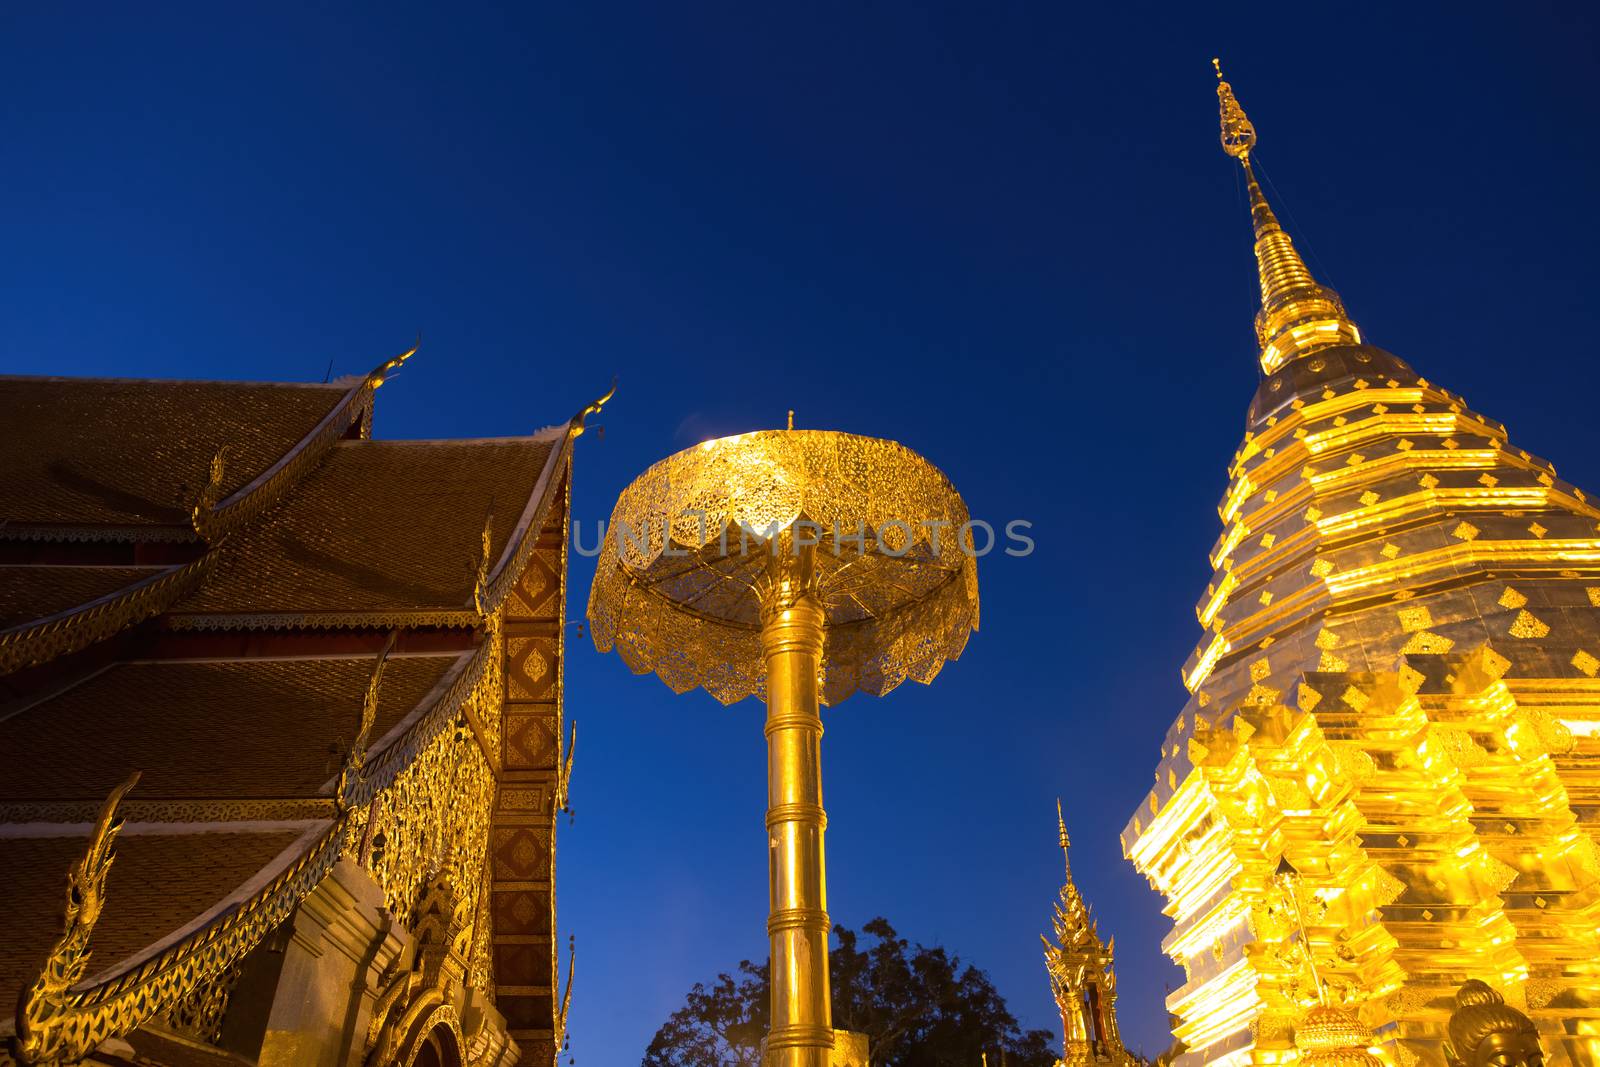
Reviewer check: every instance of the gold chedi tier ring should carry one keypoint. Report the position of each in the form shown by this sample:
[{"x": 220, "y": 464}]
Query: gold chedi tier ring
[{"x": 688, "y": 562}]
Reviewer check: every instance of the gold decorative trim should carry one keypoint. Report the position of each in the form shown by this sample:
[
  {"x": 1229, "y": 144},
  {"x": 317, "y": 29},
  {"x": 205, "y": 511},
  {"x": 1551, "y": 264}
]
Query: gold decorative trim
[
  {"x": 324, "y": 620},
  {"x": 32, "y": 643},
  {"x": 66, "y": 1018},
  {"x": 514, "y": 560},
  {"x": 512, "y": 563},
  {"x": 170, "y": 534},
  {"x": 175, "y": 810},
  {"x": 394, "y": 758}
]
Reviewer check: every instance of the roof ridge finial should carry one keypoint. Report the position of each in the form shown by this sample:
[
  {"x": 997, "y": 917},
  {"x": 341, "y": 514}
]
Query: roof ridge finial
[
  {"x": 575, "y": 428},
  {"x": 1297, "y": 315},
  {"x": 382, "y": 371}
]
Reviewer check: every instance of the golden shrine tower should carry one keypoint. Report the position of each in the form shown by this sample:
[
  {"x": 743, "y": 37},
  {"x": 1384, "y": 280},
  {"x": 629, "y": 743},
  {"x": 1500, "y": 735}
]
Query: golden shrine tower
[
  {"x": 1082, "y": 976},
  {"x": 1396, "y": 692}
]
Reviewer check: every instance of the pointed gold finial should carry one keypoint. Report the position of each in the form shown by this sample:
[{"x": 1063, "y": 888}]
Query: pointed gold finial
[
  {"x": 1297, "y": 314},
  {"x": 791, "y": 418},
  {"x": 1061, "y": 826},
  {"x": 1238, "y": 134}
]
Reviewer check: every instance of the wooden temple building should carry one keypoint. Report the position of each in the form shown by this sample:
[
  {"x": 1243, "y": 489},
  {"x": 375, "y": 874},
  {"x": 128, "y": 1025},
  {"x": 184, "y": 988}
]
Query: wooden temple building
[{"x": 281, "y": 713}]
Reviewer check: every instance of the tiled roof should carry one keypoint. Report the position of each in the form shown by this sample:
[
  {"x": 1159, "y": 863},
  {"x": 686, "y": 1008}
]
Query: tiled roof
[
  {"x": 122, "y": 452},
  {"x": 260, "y": 728},
  {"x": 34, "y": 592},
  {"x": 379, "y": 526},
  {"x": 158, "y": 883}
]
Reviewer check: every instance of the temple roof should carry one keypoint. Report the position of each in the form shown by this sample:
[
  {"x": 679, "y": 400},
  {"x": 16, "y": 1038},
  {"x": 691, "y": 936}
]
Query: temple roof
[
  {"x": 120, "y": 452},
  {"x": 223, "y": 625},
  {"x": 32, "y": 592},
  {"x": 347, "y": 541},
  {"x": 286, "y": 727}
]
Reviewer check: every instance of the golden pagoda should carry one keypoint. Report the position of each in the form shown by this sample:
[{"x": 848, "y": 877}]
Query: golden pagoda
[
  {"x": 1082, "y": 976},
  {"x": 1396, "y": 692}
]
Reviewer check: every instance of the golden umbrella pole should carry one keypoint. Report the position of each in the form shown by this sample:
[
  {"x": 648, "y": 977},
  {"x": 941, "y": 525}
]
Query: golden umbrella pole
[
  {"x": 681, "y": 591},
  {"x": 797, "y": 922}
]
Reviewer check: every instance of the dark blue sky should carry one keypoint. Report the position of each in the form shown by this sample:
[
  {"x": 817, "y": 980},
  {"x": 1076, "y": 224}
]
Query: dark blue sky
[{"x": 1004, "y": 236}]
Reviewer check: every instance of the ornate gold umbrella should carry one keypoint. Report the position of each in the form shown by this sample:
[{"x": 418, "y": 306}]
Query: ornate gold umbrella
[{"x": 802, "y": 565}]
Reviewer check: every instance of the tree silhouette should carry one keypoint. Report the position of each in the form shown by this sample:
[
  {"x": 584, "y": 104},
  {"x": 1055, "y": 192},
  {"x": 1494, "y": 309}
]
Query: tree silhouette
[{"x": 918, "y": 1006}]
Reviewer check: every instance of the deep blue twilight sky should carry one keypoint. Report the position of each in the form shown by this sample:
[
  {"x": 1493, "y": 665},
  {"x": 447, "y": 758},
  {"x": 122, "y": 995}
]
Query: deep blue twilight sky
[{"x": 1002, "y": 235}]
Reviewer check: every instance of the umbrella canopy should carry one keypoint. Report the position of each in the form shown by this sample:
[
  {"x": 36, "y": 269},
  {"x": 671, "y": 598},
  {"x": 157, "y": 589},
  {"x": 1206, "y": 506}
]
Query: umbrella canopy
[{"x": 677, "y": 590}]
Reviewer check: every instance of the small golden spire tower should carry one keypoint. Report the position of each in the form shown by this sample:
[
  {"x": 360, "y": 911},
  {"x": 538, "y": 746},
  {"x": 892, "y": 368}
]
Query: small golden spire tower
[
  {"x": 1082, "y": 976},
  {"x": 1395, "y": 694}
]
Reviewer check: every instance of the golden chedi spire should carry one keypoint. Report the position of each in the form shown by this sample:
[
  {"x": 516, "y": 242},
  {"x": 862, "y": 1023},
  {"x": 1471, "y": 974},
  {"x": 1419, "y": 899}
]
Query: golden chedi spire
[
  {"x": 1297, "y": 315},
  {"x": 1386, "y": 776}
]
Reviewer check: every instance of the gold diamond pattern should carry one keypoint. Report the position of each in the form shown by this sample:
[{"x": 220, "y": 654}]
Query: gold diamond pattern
[
  {"x": 1426, "y": 643},
  {"x": 1512, "y": 599},
  {"x": 1585, "y": 662},
  {"x": 1369, "y": 498},
  {"x": 1465, "y": 531},
  {"x": 1414, "y": 619},
  {"x": 1389, "y": 551},
  {"x": 1428, "y": 481},
  {"x": 1526, "y": 625}
]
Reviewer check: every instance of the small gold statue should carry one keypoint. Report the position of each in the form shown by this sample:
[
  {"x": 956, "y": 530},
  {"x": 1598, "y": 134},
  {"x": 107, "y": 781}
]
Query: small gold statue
[{"x": 1485, "y": 1031}]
